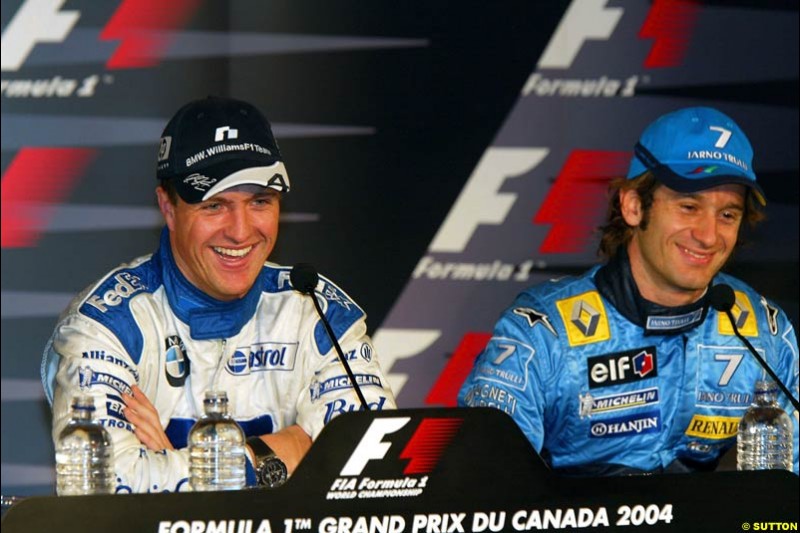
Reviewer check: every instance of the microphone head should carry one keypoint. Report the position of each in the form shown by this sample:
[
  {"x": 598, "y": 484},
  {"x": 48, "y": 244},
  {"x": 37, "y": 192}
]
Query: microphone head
[
  {"x": 304, "y": 278},
  {"x": 721, "y": 297}
]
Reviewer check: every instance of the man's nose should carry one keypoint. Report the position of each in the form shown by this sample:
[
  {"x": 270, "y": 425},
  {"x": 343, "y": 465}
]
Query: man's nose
[
  {"x": 705, "y": 229},
  {"x": 238, "y": 227}
]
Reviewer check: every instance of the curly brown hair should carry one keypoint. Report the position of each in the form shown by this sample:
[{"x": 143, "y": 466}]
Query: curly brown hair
[{"x": 616, "y": 233}]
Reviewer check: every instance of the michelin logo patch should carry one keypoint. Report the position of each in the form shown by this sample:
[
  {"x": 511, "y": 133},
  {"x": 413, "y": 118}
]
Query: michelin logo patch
[
  {"x": 646, "y": 422},
  {"x": 88, "y": 378},
  {"x": 263, "y": 357},
  {"x": 590, "y": 405},
  {"x": 318, "y": 389}
]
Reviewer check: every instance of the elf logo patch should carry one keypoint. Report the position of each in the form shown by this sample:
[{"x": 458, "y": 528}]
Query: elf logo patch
[{"x": 623, "y": 367}]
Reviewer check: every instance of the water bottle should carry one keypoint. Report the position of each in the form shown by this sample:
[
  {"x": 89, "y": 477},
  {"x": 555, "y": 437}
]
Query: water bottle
[
  {"x": 84, "y": 453},
  {"x": 216, "y": 448},
  {"x": 764, "y": 441}
]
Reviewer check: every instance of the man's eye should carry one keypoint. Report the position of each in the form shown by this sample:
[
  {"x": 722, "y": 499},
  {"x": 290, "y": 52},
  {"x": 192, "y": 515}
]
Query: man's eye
[
  {"x": 265, "y": 200},
  {"x": 732, "y": 216}
]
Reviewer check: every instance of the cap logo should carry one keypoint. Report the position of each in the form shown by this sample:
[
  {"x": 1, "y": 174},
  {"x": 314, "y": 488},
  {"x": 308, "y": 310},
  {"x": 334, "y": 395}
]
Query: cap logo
[
  {"x": 225, "y": 132},
  {"x": 277, "y": 180},
  {"x": 199, "y": 182},
  {"x": 163, "y": 149},
  {"x": 724, "y": 136}
]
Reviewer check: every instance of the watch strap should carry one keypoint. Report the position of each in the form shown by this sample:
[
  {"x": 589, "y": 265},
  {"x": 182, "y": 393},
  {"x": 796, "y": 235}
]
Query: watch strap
[
  {"x": 260, "y": 448},
  {"x": 269, "y": 468}
]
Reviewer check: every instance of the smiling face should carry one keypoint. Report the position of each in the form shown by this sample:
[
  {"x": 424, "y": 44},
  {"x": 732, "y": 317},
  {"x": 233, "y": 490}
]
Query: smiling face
[
  {"x": 221, "y": 244},
  {"x": 687, "y": 239}
]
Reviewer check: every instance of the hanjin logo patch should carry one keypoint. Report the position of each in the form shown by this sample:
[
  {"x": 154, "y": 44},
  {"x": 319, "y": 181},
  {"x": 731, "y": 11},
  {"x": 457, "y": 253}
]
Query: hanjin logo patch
[
  {"x": 645, "y": 422},
  {"x": 623, "y": 367}
]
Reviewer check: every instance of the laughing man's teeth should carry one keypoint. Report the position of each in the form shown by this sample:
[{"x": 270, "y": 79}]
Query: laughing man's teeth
[
  {"x": 699, "y": 256},
  {"x": 231, "y": 252}
]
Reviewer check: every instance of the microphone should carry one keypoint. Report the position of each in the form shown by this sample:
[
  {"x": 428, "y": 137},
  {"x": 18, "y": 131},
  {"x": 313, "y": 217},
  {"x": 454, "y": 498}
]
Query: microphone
[
  {"x": 304, "y": 278},
  {"x": 722, "y": 298}
]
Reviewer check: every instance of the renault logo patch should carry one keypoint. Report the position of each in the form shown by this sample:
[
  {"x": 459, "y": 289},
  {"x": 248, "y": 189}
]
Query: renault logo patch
[
  {"x": 584, "y": 317},
  {"x": 744, "y": 315}
]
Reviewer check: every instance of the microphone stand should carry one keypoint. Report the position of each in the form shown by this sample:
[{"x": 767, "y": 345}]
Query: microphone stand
[
  {"x": 339, "y": 351},
  {"x": 760, "y": 359},
  {"x": 304, "y": 278}
]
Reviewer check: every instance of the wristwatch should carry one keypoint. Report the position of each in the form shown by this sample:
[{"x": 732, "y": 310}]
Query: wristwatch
[{"x": 270, "y": 470}]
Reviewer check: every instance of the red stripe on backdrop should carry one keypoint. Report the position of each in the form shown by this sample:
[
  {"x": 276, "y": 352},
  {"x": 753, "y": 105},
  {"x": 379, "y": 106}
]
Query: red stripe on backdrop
[
  {"x": 35, "y": 182},
  {"x": 143, "y": 28},
  {"x": 445, "y": 390},
  {"x": 670, "y": 24},
  {"x": 576, "y": 203}
]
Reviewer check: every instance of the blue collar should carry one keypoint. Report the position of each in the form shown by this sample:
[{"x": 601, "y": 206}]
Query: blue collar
[
  {"x": 207, "y": 317},
  {"x": 615, "y": 282}
]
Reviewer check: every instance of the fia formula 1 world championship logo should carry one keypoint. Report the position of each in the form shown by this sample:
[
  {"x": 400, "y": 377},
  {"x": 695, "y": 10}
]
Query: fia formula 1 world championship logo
[{"x": 423, "y": 451}]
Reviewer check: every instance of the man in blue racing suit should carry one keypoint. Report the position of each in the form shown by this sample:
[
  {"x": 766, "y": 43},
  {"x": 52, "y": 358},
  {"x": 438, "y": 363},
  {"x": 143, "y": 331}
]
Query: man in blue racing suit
[
  {"x": 207, "y": 312},
  {"x": 626, "y": 368}
]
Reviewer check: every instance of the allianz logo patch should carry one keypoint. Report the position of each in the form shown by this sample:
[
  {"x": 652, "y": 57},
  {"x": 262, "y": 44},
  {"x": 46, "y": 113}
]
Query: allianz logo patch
[
  {"x": 622, "y": 367},
  {"x": 590, "y": 405},
  {"x": 263, "y": 357},
  {"x": 640, "y": 423}
]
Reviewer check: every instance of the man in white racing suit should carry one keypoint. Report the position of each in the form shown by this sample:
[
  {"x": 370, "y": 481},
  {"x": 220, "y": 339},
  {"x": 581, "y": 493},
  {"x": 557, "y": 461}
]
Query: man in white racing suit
[{"x": 207, "y": 312}]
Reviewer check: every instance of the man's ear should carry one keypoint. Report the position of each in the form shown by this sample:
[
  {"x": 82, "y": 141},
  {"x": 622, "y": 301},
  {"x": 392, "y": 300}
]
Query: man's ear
[
  {"x": 631, "y": 207},
  {"x": 167, "y": 207}
]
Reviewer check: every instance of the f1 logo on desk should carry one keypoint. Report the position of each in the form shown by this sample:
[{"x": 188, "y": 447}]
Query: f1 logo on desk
[{"x": 424, "y": 449}]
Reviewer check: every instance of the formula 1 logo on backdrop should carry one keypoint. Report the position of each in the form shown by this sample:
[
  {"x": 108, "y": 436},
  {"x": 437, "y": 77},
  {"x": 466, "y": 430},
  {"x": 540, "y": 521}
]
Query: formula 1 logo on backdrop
[
  {"x": 669, "y": 25},
  {"x": 423, "y": 451},
  {"x": 137, "y": 35},
  {"x": 35, "y": 22}
]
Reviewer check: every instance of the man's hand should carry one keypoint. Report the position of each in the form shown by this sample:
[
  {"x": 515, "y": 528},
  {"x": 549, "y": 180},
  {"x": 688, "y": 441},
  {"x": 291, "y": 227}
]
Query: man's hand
[
  {"x": 144, "y": 417},
  {"x": 289, "y": 444}
]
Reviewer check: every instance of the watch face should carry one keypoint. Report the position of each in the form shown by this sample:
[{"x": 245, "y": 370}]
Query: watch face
[{"x": 272, "y": 473}]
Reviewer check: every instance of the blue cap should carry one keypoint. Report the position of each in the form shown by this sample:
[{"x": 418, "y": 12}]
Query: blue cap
[{"x": 696, "y": 148}]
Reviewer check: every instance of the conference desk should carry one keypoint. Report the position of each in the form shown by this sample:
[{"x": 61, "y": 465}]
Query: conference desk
[{"x": 434, "y": 470}]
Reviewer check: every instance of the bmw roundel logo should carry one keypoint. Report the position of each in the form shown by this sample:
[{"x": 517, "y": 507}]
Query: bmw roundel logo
[{"x": 177, "y": 365}]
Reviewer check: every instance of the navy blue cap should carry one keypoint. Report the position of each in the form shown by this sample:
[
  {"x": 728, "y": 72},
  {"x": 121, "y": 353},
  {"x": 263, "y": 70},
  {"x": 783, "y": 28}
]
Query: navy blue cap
[{"x": 213, "y": 144}]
